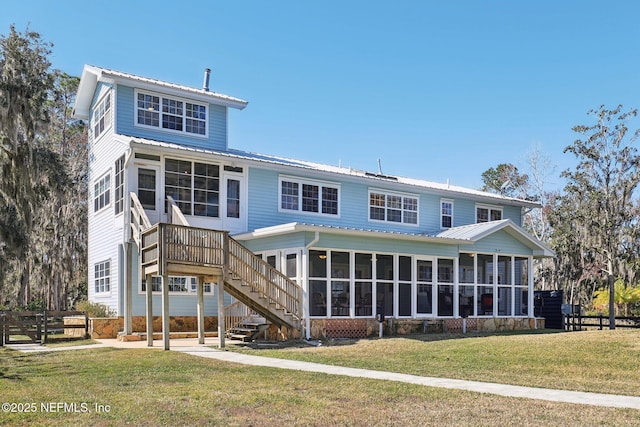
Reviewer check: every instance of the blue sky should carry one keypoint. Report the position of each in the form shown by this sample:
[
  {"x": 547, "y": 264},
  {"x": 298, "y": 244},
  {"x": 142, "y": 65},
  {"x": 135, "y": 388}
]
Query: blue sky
[{"x": 437, "y": 90}]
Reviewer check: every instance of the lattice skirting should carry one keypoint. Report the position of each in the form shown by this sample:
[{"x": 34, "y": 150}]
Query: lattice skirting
[
  {"x": 346, "y": 328},
  {"x": 455, "y": 325}
]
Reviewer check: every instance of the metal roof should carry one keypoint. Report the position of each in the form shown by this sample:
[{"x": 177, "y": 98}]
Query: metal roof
[{"x": 440, "y": 188}]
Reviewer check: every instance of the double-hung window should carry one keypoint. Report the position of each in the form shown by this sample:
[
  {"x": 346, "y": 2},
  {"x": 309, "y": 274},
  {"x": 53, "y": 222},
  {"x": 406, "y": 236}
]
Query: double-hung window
[
  {"x": 101, "y": 116},
  {"x": 309, "y": 196},
  {"x": 393, "y": 207},
  {"x": 194, "y": 186},
  {"x": 171, "y": 114},
  {"x": 102, "y": 193},
  {"x": 446, "y": 213},
  {"x": 119, "y": 185},
  {"x": 488, "y": 213},
  {"x": 102, "y": 277}
]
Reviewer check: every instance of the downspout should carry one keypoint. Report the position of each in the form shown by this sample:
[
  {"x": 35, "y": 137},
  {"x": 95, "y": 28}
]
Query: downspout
[{"x": 305, "y": 310}]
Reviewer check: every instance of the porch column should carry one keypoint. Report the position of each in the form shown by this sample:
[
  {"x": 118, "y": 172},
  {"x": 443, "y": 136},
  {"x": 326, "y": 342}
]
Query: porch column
[
  {"x": 200, "y": 291},
  {"x": 530, "y": 287},
  {"x": 128, "y": 286},
  {"x": 221, "y": 314},
  {"x": 149, "y": 317},
  {"x": 165, "y": 311}
]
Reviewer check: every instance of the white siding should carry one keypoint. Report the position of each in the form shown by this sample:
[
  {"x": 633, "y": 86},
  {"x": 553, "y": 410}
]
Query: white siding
[{"x": 104, "y": 229}]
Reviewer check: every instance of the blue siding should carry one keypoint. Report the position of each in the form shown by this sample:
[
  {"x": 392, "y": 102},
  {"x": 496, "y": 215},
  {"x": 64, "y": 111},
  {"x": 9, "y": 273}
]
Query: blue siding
[
  {"x": 217, "y": 123},
  {"x": 354, "y": 206},
  {"x": 464, "y": 212},
  {"x": 514, "y": 213},
  {"x": 500, "y": 241},
  {"x": 179, "y": 305},
  {"x": 381, "y": 245}
]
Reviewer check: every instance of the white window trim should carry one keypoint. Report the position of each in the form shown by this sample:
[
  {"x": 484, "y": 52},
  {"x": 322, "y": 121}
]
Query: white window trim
[
  {"x": 108, "y": 189},
  {"x": 159, "y": 128},
  {"x": 394, "y": 193},
  {"x": 117, "y": 201},
  {"x": 300, "y": 182},
  {"x": 106, "y": 115},
  {"x": 442, "y": 215},
  {"x": 490, "y": 208},
  {"x": 103, "y": 293}
]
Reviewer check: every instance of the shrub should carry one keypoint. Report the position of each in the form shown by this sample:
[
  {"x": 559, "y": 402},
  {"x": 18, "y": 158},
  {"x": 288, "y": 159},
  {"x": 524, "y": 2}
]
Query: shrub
[{"x": 95, "y": 309}]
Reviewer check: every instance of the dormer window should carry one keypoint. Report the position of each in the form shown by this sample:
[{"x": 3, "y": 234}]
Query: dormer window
[{"x": 171, "y": 114}]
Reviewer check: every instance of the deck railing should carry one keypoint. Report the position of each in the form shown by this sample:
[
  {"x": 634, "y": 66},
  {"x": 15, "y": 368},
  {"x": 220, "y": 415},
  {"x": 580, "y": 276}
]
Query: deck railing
[{"x": 164, "y": 244}]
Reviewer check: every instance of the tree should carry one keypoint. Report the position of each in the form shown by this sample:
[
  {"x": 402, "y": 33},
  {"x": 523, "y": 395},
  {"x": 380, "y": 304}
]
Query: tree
[
  {"x": 61, "y": 227},
  {"x": 25, "y": 83},
  {"x": 624, "y": 297},
  {"x": 594, "y": 223},
  {"x": 506, "y": 180},
  {"x": 43, "y": 188}
]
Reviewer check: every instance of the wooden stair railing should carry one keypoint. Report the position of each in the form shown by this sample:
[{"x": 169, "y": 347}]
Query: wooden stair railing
[
  {"x": 139, "y": 219},
  {"x": 235, "y": 313},
  {"x": 247, "y": 277}
]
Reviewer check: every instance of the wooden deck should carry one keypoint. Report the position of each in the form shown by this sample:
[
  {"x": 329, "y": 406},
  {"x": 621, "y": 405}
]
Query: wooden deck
[{"x": 170, "y": 249}]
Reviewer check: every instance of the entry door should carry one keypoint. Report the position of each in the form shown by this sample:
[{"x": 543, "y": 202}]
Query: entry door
[
  {"x": 149, "y": 191},
  {"x": 234, "y": 210}
]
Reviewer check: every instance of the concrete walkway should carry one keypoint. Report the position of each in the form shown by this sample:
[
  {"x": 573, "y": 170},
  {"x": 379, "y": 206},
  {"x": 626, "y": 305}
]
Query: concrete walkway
[{"x": 190, "y": 346}]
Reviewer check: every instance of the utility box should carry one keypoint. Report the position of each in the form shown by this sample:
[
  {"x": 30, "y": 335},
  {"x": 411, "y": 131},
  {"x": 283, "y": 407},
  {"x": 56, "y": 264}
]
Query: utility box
[{"x": 548, "y": 304}]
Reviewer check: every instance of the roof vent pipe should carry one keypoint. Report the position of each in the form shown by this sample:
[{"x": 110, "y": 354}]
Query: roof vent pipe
[{"x": 207, "y": 74}]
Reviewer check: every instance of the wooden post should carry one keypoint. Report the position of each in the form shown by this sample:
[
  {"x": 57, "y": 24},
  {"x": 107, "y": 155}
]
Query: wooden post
[
  {"x": 149, "y": 311},
  {"x": 225, "y": 271},
  {"x": 86, "y": 325},
  {"x": 39, "y": 317},
  {"x": 45, "y": 324},
  {"x": 2, "y": 316},
  {"x": 221, "y": 325},
  {"x": 165, "y": 311},
  {"x": 128, "y": 286},
  {"x": 612, "y": 306},
  {"x": 200, "y": 291}
]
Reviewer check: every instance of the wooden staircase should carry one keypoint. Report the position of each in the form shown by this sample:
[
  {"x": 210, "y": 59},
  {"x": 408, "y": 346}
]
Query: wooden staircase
[
  {"x": 178, "y": 249},
  {"x": 248, "y": 329}
]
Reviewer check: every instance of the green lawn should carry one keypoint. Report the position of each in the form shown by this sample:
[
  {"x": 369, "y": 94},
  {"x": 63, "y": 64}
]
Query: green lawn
[
  {"x": 596, "y": 361},
  {"x": 154, "y": 387}
]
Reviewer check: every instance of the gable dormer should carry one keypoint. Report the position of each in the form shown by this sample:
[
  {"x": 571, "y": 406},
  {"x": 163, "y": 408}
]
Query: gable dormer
[{"x": 153, "y": 109}]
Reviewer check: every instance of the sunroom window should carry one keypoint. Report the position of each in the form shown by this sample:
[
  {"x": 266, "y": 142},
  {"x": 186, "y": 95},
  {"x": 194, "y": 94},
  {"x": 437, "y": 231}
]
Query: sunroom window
[{"x": 194, "y": 186}]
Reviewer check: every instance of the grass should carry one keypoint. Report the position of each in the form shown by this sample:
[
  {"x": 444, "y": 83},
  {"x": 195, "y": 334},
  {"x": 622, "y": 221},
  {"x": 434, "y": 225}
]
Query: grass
[
  {"x": 154, "y": 387},
  {"x": 595, "y": 361}
]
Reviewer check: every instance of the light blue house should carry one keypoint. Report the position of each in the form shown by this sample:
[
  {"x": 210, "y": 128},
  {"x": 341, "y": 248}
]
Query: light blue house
[{"x": 312, "y": 247}]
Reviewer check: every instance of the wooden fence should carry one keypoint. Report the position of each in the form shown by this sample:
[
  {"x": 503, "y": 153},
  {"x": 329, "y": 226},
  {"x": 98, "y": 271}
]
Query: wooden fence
[
  {"x": 37, "y": 326},
  {"x": 578, "y": 322}
]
